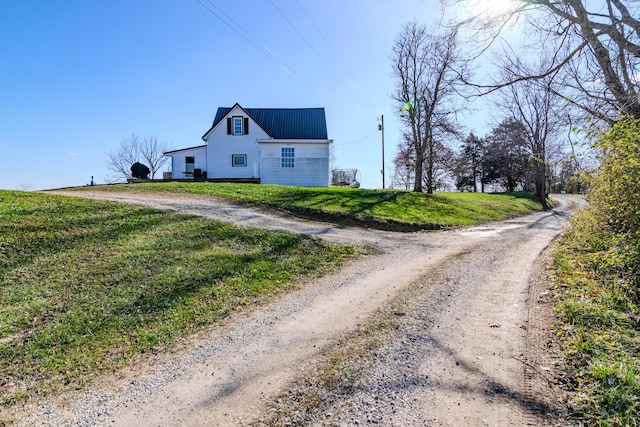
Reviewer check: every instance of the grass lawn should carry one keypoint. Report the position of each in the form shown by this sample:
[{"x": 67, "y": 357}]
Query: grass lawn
[
  {"x": 87, "y": 286},
  {"x": 388, "y": 209}
]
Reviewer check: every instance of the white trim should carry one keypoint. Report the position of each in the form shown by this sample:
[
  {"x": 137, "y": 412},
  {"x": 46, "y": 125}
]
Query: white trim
[
  {"x": 233, "y": 125},
  {"x": 233, "y": 158}
]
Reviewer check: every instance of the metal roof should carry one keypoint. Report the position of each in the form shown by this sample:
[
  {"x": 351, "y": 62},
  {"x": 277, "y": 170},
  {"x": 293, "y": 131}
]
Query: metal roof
[
  {"x": 284, "y": 123},
  {"x": 184, "y": 149}
]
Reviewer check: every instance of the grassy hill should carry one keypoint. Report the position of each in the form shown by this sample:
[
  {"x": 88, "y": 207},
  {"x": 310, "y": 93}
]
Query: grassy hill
[
  {"x": 87, "y": 286},
  {"x": 381, "y": 209}
]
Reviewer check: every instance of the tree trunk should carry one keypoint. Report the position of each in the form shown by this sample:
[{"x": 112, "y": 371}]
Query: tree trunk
[
  {"x": 430, "y": 168},
  {"x": 540, "y": 181},
  {"x": 417, "y": 185}
]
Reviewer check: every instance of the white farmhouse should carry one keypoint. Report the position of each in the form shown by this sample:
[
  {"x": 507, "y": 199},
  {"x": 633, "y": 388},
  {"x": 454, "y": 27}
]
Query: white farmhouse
[{"x": 266, "y": 145}]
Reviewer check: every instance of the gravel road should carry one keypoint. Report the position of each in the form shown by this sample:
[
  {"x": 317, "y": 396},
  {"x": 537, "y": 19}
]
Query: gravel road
[{"x": 466, "y": 351}]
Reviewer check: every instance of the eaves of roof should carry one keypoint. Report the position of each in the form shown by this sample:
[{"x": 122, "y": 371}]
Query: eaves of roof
[{"x": 184, "y": 149}]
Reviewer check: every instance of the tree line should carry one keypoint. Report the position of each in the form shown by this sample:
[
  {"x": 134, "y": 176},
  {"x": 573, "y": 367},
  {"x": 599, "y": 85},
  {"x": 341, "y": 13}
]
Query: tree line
[
  {"x": 576, "y": 68},
  {"x": 503, "y": 160}
]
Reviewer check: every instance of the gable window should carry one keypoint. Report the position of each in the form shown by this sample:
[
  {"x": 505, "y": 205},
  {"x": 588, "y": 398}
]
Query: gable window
[
  {"x": 238, "y": 160},
  {"x": 237, "y": 125},
  {"x": 288, "y": 157}
]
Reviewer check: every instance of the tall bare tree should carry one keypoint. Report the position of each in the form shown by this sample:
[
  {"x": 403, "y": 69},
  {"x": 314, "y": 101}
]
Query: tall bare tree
[
  {"x": 429, "y": 70},
  {"x": 533, "y": 103},
  {"x": 147, "y": 150}
]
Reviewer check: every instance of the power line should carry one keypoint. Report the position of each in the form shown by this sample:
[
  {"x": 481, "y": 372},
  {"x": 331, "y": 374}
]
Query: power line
[
  {"x": 326, "y": 40},
  {"x": 313, "y": 49},
  {"x": 301, "y": 35},
  {"x": 359, "y": 140},
  {"x": 238, "y": 29}
]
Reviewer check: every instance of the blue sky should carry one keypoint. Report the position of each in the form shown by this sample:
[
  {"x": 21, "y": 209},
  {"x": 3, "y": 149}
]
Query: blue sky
[{"x": 78, "y": 76}]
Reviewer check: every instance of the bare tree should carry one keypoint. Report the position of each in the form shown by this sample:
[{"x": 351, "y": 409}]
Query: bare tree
[
  {"x": 403, "y": 168},
  {"x": 147, "y": 150},
  {"x": 152, "y": 153},
  {"x": 443, "y": 165},
  {"x": 25, "y": 187},
  {"x": 533, "y": 103},
  {"x": 429, "y": 70},
  {"x": 443, "y": 159},
  {"x": 595, "y": 44},
  {"x": 120, "y": 161}
]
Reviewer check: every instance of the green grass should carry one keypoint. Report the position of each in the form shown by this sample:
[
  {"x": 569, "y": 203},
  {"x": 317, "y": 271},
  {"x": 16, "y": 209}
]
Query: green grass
[
  {"x": 600, "y": 320},
  {"x": 88, "y": 286},
  {"x": 388, "y": 209},
  {"x": 598, "y": 270}
]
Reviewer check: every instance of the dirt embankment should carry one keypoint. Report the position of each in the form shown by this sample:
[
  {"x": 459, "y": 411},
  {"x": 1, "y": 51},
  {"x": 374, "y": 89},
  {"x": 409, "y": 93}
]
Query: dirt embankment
[{"x": 465, "y": 349}]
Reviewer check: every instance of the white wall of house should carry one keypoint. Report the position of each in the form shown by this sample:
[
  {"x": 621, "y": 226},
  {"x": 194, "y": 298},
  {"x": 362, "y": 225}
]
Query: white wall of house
[
  {"x": 179, "y": 161},
  {"x": 310, "y": 163},
  {"x": 222, "y": 147}
]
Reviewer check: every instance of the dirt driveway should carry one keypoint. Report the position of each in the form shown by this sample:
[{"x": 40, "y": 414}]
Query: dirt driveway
[{"x": 467, "y": 351}]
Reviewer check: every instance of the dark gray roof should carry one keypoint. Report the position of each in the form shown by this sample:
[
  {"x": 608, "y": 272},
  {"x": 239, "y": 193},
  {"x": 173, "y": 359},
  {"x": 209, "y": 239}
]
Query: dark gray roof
[
  {"x": 284, "y": 123},
  {"x": 183, "y": 149}
]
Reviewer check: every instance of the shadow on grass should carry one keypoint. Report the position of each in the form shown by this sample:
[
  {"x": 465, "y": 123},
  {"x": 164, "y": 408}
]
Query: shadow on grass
[
  {"x": 353, "y": 208},
  {"x": 148, "y": 287}
]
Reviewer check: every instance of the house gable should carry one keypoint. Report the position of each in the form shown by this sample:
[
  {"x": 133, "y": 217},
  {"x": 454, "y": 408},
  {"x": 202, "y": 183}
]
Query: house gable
[
  {"x": 279, "y": 123},
  {"x": 232, "y": 147},
  {"x": 223, "y": 123}
]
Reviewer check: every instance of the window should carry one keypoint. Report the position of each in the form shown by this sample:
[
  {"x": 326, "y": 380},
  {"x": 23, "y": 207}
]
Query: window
[
  {"x": 237, "y": 125},
  {"x": 238, "y": 160},
  {"x": 189, "y": 164},
  {"x": 288, "y": 157}
]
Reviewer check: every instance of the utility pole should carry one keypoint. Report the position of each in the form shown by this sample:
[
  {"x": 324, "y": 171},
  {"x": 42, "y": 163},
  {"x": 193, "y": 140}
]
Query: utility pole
[{"x": 381, "y": 128}]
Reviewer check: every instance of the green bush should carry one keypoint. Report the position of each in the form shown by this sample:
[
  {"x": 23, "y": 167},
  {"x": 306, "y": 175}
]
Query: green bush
[
  {"x": 597, "y": 267},
  {"x": 615, "y": 189},
  {"x": 614, "y": 204}
]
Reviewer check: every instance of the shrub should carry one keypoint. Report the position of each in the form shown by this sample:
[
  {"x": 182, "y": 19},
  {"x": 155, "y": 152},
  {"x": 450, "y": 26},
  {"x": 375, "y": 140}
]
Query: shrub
[
  {"x": 140, "y": 171},
  {"x": 615, "y": 189},
  {"x": 597, "y": 265}
]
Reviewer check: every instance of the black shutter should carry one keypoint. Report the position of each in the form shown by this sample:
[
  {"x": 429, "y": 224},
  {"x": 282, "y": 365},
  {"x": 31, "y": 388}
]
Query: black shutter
[
  {"x": 229, "y": 126},
  {"x": 246, "y": 126}
]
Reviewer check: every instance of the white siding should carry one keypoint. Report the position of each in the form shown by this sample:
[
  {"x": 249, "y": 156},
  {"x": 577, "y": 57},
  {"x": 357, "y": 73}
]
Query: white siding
[
  {"x": 311, "y": 164},
  {"x": 178, "y": 161},
  {"x": 222, "y": 146}
]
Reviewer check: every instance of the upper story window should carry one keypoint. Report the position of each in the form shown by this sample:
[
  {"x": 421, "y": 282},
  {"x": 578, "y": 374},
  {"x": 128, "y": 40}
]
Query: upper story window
[
  {"x": 288, "y": 157},
  {"x": 237, "y": 125}
]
